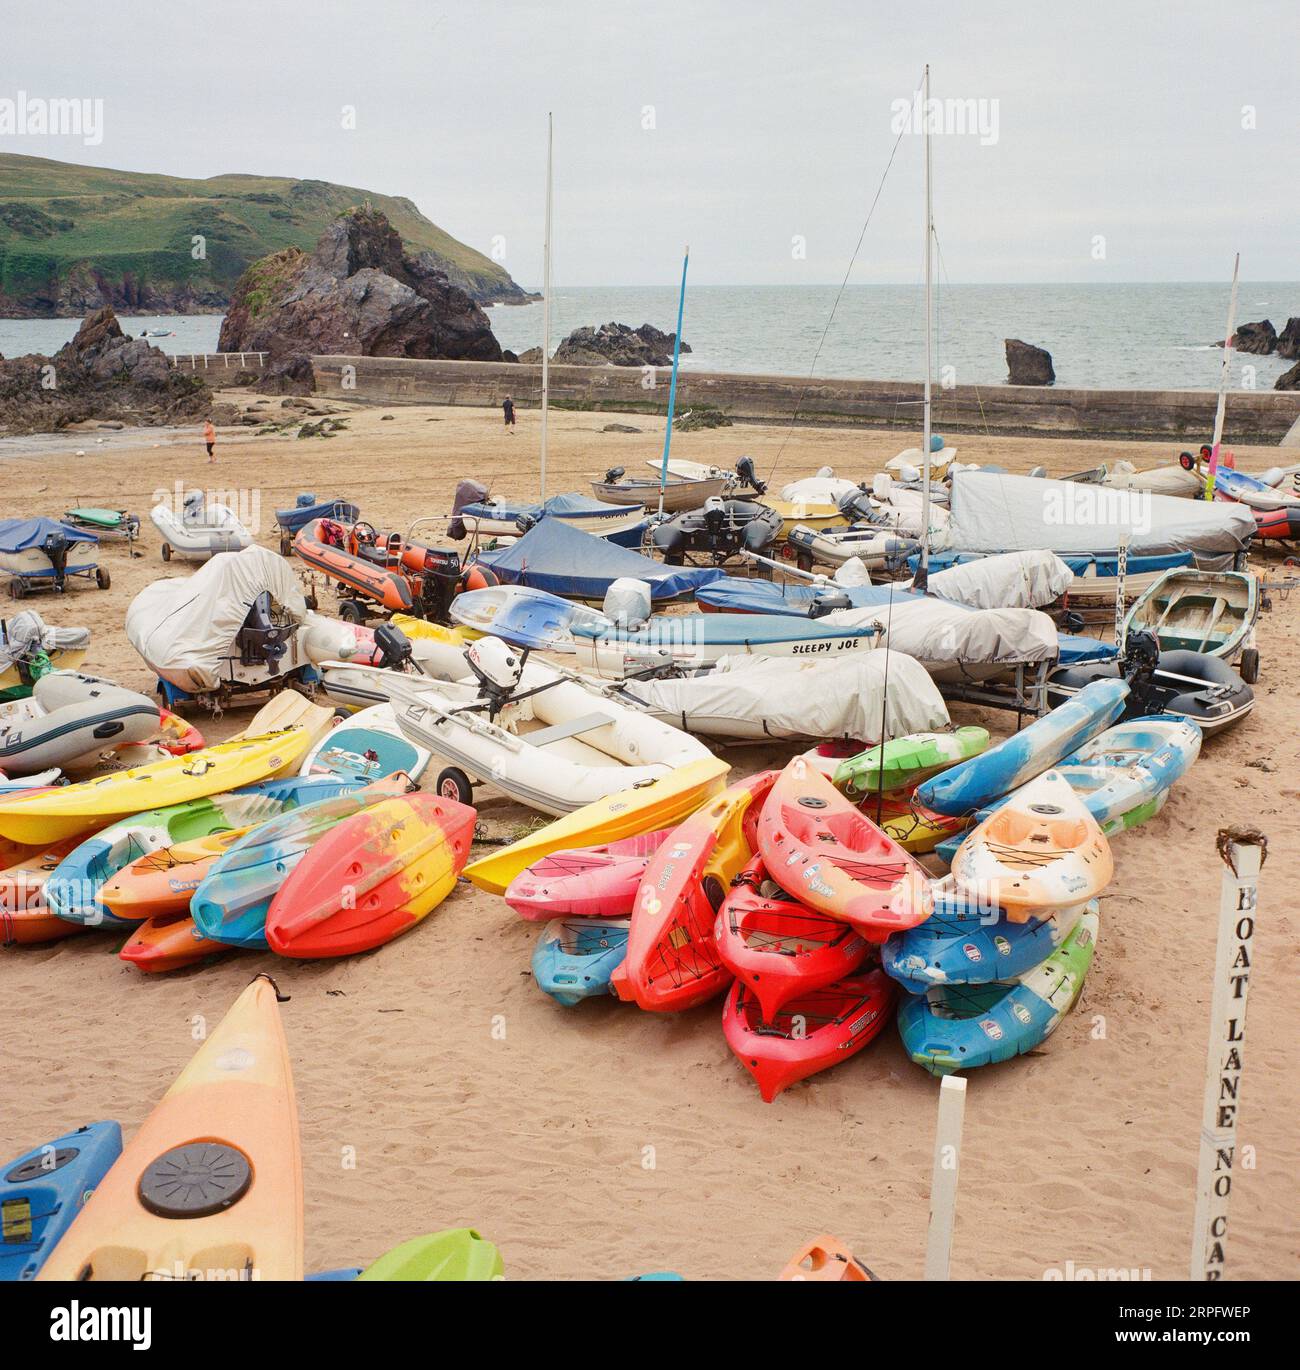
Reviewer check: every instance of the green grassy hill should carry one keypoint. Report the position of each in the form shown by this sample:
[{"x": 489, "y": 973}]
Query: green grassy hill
[{"x": 73, "y": 236}]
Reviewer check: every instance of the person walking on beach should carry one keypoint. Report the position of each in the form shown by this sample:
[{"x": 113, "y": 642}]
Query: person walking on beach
[
  {"x": 210, "y": 441},
  {"x": 508, "y": 409}
]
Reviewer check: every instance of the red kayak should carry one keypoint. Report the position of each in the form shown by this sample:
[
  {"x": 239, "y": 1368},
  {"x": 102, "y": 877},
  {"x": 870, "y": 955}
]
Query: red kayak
[
  {"x": 779, "y": 947},
  {"x": 821, "y": 848},
  {"x": 163, "y": 944},
  {"x": 372, "y": 876},
  {"x": 817, "y": 1029},
  {"x": 672, "y": 958},
  {"x": 587, "y": 882}
]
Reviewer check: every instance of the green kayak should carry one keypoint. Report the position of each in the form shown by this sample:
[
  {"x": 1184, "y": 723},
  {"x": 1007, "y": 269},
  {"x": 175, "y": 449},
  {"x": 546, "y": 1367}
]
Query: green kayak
[
  {"x": 907, "y": 760},
  {"x": 103, "y": 520},
  {"x": 457, "y": 1254}
]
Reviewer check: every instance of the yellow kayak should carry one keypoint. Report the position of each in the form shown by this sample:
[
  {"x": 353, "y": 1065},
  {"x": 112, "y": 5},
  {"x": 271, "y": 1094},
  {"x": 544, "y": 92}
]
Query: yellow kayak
[
  {"x": 64, "y": 812},
  {"x": 211, "y": 1185},
  {"x": 656, "y": 804}
]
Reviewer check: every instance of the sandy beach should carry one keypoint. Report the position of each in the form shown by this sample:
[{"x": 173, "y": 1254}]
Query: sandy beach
[{"x": 437, "y": 1087}]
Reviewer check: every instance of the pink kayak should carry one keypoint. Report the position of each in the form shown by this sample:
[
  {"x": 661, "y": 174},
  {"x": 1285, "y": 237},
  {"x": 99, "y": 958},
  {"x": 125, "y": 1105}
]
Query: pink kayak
[{"x": 587, "y": 882}]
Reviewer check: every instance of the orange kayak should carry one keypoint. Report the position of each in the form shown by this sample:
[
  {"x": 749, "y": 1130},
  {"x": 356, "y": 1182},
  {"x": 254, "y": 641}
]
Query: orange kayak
[
  {"x": 160, "y": 884},
  {"x": 163, "y": 944},
  {"x": 819, "y": 847},
  {"x": 27, "y": 927},
  {"x": 210, "y": 1187},
  {"x": 825, "y": 1258},
  {"x": 672, "y": 956},
  {"x": 25, "y": 918}
]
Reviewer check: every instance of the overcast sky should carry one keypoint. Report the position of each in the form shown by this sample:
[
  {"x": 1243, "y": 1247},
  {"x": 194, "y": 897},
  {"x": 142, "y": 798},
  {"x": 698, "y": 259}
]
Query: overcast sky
[{"x": 1119, "y": 120}]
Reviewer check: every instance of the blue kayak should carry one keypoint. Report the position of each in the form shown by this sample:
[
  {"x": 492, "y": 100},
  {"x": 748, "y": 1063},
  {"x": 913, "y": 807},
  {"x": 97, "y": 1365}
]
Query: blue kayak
[
  {"x": 970, "y": 785},
  {"x": 344, "y": 1272},
  {"x": 72, "y": 890},
  {"x": 523, "y": 616},
  {"x": 41, "y": 1193},
  {"x": 960, "y": 945},
  {"x": 575, "y": 957}
]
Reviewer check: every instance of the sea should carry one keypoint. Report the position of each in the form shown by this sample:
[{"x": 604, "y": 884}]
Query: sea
[{"x": 1111, "y": 337}]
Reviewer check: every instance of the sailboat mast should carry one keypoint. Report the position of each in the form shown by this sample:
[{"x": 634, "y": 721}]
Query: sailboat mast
[
  {"x": 923, "y": 569},
  {"x": 546, "y": 305},
  {"x": 672, "y": 388},
  {"x": 1224, "y": 371}
]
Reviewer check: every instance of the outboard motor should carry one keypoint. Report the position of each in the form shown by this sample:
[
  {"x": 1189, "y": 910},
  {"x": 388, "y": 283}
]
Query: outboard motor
[
  {"x": 498, "y": 669},
  {"x": 440, "y": 583},
  {"x": 393, "y": 646},
  {"x": 192, "y": 507},
  {"x": 304, "y": 501},
  {"x": 615, "y": 474},
  {"x": 827, "y": 601},
  {"x": 55, "y": 547},
  {"x": 715, "y": 513},
  {"x": 748, "y": 476},
  {"x": 1138, "y": 667},
  {"x": 467, "y": 492},
  {"x": 261, "y": 641}
]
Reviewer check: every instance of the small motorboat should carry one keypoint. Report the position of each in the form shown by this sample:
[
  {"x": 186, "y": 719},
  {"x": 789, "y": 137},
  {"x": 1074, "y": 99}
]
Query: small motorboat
[
  {"x": 539, "y": 735},
  {"x": 42, "y": 554},
  {"x": 1203, "y": 688},
  {"x": 70, "y": 719},
  {"x": 823, "y": 488},
  {"x": 1202, "y": 611},
  {"x": 679, "y": 492},
  {"x": 306, "y": 509},
  {"x": 689, "y": 641},
  {"x": 485, "y": 516},
  {"x": 385, "y": 569},
  {"x": 717, "y": 532},
  {"x": 201, "y": 529}
]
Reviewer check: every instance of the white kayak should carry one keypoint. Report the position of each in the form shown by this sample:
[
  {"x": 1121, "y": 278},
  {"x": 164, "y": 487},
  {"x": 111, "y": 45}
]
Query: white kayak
[
  {"x": 1041, "y": 850},
  {"x": 368, "y": 746}
]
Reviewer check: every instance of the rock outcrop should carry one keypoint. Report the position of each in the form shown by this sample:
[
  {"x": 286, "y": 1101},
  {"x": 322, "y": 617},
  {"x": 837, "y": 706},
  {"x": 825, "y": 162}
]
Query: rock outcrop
[
  {"x": 100, "y": 375},
  {"x": 1027, "y": 364},
  {"x": 1288, "y": 341},
  {"x": 357, "y": 294},
  {"x": 1258, "y": 339},
  {"x": 1288, "y": 380},
  {"x": 615, "y": 344}
]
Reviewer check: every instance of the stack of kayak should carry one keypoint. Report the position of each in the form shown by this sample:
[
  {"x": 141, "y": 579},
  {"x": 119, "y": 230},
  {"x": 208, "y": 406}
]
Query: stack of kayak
[
  {"x": 209, "y": 1188},
  {"x": 309, "y": 841}
]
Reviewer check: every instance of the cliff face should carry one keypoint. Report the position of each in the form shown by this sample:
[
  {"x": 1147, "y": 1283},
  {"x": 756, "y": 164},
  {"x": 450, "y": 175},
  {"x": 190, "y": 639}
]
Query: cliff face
[
  {"x": 76, "y": 238},
  {"x": 101, "y": 374},
  {"x": 358, "y": 293}
]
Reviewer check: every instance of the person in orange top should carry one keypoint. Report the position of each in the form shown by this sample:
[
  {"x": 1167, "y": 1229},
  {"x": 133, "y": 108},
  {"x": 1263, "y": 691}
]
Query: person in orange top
[{"x": 210, "y": 438}]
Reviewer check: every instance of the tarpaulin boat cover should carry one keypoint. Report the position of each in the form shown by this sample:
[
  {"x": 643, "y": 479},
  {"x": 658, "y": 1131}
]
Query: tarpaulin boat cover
[
  {"x": 1081, "y": 565},
  {"x": 738, "y": 595},
  {"x": 17, "y": 535},
  {"x": 749, "y": 696},
  {"x": 566, "y": 561},
  {"x": 940, "y": 634},
  {"x": 189, "y": 625},
  {"x": 1011, "y": 580},
  {"x": 996, "y": 512},
  {"x": 22, "y": 636}
]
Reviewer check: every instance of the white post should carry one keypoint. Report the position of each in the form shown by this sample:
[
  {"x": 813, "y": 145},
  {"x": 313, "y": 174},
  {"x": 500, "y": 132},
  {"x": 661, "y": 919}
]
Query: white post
[
  {"x": 943, "y": 1182},
  {"x": 546, "y": 307},
  {"x": 922, "y": 579},
  {"x": 1243, "y": 851}
]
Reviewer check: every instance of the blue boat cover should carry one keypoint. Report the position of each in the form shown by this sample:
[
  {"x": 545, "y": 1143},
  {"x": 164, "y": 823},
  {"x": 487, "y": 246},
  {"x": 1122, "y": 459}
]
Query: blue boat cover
[
  {"x": 1077, "y": 651},
  {"x": 738, "y": 595},
  {"x": 571, "y": 505},
  {"x": 17, "y": 535},
  {"x": 1107, "y": 564},
  {"x": 302, "y": 514},
  {"x": 566, "y": 561}
]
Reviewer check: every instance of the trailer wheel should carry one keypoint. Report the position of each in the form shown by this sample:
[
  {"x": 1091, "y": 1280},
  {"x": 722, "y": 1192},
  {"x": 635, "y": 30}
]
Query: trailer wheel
[
  {"x": 286, "y": 545},
  {"x": 17, "y": 588},
  {"x": 312, "y": 602},
  {"x": 453, "y": 783},
  {"x": 803, "y": 560},
  {"x": 350, "y": 611},
  {"x": 1248, "y": 666},
  {"x": 167, "y": 551},
  {"x": 102, "y": 578}
]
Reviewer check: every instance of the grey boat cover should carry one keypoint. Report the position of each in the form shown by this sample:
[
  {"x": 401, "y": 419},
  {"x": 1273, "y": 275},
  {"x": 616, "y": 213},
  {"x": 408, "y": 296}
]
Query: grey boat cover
[
  {"x": 799, "y": 697},
  {"x": 996, "y": 512},
  {"x": 941, "y": 634},
  {"x": 1014, "y": 580},
  {"x": 185, "y": 628},
  {"x": 26, "y": 634}
]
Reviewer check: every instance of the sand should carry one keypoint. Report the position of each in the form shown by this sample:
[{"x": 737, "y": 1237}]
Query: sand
[{"x": 437, "y": 1087}]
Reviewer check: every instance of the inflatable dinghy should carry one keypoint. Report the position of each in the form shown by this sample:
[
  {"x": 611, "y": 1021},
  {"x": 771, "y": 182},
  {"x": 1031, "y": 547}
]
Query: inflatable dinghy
[
  {"x": 200, "y": 530},
  {"x": 70, "y": 719}
]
